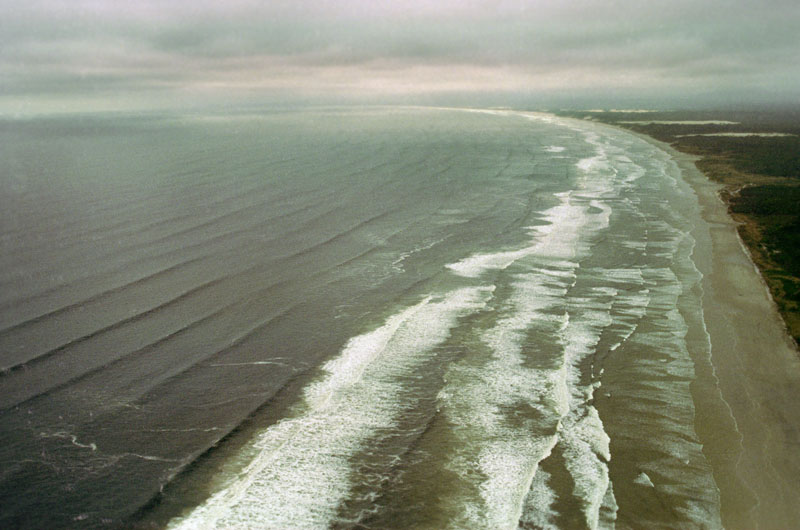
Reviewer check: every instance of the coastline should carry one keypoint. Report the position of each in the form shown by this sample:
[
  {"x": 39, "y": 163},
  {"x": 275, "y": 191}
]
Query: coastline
[
  {"x": 754, "y": 366},
  {"x": 755, "y": 160}
]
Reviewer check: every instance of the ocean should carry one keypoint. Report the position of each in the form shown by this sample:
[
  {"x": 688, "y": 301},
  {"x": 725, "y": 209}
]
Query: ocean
[{"x": 384, "y": 317}]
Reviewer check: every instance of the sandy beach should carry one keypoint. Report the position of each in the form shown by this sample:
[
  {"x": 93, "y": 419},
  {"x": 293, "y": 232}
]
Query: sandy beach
[{"x": 758, "y": 371}]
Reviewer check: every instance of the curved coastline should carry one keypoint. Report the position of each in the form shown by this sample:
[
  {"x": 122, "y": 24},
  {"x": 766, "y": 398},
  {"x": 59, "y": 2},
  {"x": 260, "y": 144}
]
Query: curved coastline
[
  {"x": 744, "y": 383},
  {"x": 618, "y": 363},
  {"x": 756, "y": 366}
]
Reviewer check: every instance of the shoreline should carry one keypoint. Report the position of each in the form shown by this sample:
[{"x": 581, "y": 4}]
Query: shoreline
[{"x": 753, "y": 364}]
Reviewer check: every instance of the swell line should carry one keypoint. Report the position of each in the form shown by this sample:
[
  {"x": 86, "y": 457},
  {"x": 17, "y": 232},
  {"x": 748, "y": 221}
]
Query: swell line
[
  {"x": 7, "y": 370},
  {"x": 97, "y": 297}
]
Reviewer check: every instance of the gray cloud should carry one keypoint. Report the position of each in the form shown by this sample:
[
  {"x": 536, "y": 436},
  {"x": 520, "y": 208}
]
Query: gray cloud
[{"x": 666, "y": 52}]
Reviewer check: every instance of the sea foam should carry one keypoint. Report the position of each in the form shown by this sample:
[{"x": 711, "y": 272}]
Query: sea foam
[
  {"x": 510, "y": 401},
  {"x": 350, "y": 403},
  {"x": 509, "y": 456}
]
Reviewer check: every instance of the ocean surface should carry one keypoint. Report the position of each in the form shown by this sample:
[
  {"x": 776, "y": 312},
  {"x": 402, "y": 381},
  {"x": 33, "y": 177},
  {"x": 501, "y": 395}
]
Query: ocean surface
[{"x": 368, "y": 318}]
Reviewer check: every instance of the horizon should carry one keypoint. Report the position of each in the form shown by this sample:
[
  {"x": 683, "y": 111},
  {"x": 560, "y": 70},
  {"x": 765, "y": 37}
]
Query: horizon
[
  {"x": 783, "y": 111},
  {"x": 97, "y": 56}
]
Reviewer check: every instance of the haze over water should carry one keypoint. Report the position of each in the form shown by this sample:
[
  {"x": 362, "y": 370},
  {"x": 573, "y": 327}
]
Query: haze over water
[{"x": 385, "y": 317}]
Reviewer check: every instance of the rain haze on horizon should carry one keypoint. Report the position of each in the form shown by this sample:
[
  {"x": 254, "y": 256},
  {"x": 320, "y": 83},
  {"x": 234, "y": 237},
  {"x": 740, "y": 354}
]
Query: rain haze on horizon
[{"x": 102, "y": 55}]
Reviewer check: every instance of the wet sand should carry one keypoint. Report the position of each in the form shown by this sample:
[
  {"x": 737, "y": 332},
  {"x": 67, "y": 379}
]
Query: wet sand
[{"x": 757, "y": 368}]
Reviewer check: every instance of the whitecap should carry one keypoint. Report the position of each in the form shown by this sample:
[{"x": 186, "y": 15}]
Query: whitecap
[{"x": 300, "y": 472}]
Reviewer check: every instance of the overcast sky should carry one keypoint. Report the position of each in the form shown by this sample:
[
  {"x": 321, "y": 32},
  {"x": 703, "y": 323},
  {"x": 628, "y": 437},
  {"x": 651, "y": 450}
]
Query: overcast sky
[{"x": 99, "y": 54}]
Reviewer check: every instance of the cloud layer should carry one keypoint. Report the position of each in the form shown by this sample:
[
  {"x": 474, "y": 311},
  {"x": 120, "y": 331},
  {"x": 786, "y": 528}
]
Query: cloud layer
[{"x": 96, "y": 53}]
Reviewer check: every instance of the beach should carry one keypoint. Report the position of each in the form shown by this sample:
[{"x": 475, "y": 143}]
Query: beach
[
  {"x": 382, "y": 317},
  {"x": 757, "y": 366},
  {"x": 418, "y": 265}
]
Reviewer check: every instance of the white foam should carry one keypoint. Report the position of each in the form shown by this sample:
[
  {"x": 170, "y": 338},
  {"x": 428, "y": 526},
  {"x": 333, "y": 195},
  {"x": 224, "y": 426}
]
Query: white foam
[
  {"x": 510, "y": 466},
  {"x": 475, "y": 265},
  {"x": 560, "y": 240},
  {"x": 71, "y": 437},
  {"x": 301, "y": 470},
  {"x": 507, "y": 458},
  {"x": 397, "y": 264},
  {"x": 477, "y": 395},
  {"x": 554, "y": 149},
  {"x": 538, "y": 511},
  {"x": 511, "y": 461},
  {"x": 583, "y": 439},
  {"x": 644, "y": 479},
  {"x": 632, "y": 171},
  {"x": 591, "y": 163},
  {"x": 655, "y": 292}
]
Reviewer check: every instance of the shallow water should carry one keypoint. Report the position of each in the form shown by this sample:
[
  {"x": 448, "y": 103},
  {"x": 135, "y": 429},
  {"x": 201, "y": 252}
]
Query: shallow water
[{"x": 348, "y": 317}]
